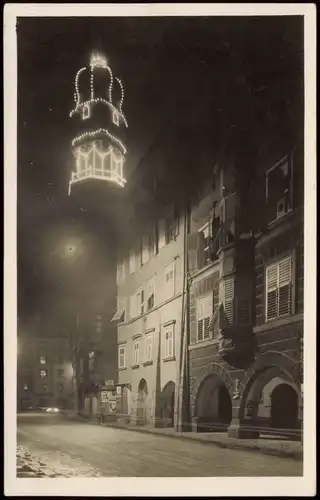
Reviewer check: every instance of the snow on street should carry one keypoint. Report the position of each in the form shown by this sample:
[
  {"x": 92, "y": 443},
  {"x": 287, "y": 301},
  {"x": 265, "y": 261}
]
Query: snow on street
[{"x": 52, "y": 446}]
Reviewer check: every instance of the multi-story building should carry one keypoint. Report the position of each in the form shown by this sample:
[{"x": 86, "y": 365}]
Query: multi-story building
[
  {"x": 150, "y": 312},
  {"x": 246, "y": 299},
  {"x": 149, "y": 315}
]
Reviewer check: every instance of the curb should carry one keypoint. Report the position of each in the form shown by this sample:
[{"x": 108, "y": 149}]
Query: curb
[{"x": 294, "y": 455}]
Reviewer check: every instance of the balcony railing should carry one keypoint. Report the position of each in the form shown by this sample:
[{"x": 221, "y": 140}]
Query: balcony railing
[{"x": 96, "y": 173}]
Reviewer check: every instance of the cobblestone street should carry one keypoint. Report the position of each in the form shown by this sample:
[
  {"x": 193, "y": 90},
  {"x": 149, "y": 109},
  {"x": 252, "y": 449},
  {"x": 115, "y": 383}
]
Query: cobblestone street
[{"x": 50, "y": 446}]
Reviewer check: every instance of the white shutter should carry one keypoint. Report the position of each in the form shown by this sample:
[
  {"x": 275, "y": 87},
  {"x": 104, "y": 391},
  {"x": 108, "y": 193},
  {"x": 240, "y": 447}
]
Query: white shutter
[
  {"x": 122, "y": 357},
  {"x": 148, "y": 347},
  {"x": 170, "y": 343},
  {"x": 278, "y": 289},
  {"x": 204, "y": 314},
  {"x": 136, "y": 347},
  {"x": 151, "y": 294},
  {"x": 169, "y": 280},
  {"x": 229, "y": 299},
  {"x": 272, "y": 292},
  {"x": 285, "y": 280}
]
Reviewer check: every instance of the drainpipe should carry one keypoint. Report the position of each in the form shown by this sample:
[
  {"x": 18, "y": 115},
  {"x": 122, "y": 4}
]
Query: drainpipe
[{"x": 184, "y": 340}]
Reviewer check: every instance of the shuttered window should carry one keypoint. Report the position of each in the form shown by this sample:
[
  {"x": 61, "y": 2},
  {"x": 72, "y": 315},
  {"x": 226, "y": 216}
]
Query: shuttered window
[
  {"x": 136, "y": 349},
  {"x": 204, "y": 314},
  {"x": 169, "y": 342},
  {"x": 226, "y": 299},
  {"x": 151, "y": 293},
  {"x": 122, "y": 357},
  {"x": 279, "y": 289}
]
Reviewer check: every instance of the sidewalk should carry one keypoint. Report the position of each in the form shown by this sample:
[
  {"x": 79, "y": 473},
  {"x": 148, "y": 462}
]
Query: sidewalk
[{"x": 269, "y": 446}]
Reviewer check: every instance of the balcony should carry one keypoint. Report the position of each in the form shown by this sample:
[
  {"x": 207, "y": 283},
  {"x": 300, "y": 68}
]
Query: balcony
[
  {"x": 98, "y": 174},
  {"x": 236, "y": 339}
]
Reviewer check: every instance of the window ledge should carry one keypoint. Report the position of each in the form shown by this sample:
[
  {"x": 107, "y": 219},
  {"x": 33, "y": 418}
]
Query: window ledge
[
  {"x": 134, "y": 367},
  {"x": 203, "y": 343},
  {"x": 169, "y": 358},
  {"x": 121, "y": 342},
  {"x": 122, "y": 369},
  {"x": 147, "y": 363},
  {"x": 279, "y": 322}
]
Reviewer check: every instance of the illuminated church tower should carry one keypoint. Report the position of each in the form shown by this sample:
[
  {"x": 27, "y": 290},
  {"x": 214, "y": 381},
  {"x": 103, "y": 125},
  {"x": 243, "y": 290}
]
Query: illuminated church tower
[{"x": 99, "y": 126}]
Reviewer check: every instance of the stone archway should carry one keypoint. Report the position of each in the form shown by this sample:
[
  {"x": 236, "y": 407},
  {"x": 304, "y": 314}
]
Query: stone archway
[
  {"x": 213, "y": 405},
  {"x": 284, "y": 408},
  {"x": 167, "y": 404},
  {"x": 142, "y": 402},
  {"x": 263, "y": 407}
]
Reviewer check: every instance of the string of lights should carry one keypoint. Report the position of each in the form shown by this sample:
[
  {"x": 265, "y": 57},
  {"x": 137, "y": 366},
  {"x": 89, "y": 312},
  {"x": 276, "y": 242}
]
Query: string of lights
[
  {"x": 95, "y": 133},
  {"x": 104, "y": 101}
]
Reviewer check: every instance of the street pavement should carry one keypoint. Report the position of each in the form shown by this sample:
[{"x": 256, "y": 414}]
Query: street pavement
[{"x": 52, "y": 446}]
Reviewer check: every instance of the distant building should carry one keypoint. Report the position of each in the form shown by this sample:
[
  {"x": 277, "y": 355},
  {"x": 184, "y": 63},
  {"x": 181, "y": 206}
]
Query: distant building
[{"x": 45, "y": 373}]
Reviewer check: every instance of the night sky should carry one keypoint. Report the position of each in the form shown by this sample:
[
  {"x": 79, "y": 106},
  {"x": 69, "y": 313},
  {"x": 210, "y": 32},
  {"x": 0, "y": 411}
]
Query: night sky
[{"x": 166, "y": 64}]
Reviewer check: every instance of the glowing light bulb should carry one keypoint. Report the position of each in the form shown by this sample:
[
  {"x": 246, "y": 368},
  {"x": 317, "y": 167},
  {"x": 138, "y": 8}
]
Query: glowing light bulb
[{"x": 98, "y": 60}]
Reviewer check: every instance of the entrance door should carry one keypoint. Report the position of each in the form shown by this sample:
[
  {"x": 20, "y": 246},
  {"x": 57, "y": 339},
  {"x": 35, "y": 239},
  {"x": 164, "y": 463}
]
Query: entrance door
[{"x": 284, "y": 407}]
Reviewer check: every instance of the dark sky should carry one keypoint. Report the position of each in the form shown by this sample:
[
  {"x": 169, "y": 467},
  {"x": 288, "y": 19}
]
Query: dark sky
[{"x": 166, "y": 65}]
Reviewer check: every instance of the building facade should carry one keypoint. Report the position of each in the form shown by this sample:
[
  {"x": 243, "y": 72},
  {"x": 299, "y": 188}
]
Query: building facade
[
  {"x": 246, "y": 302},
  {"x": 149, "y": 317}
]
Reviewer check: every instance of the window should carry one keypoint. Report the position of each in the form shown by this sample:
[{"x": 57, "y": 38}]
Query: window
[
  {"x": 115, "y": 117},
  {"x": 204, "y": 314},
  {"x": 116, "y": 164},
  {"x": 171, "y": 227},
  {"x": 60, "y": 387},
  {"x": 169, "y": 278},
  {"x": 86, "y": 112},
  {"x": 43, "y": 360},
  {"x": 45, "y": 387},
  {"x": 148, "y": 347},
  {"x": 279, "y": 289},
  {"x": 122, "y": 357},
  {"x": 279, "y": 189},
  {"x": 169, "y": 341},
  {"x": 140, "y": 301},
  {"x": 43, "y": 373},
  {"x": 132, "y": 262},
  {"x": 226, "y": 299},
  {"x": 25, "y": 388},
  {"x": 136, "y": 348},
  {"x": 150, "y": 298},
  {"x": 121, "y": 310},
  {"x": 205, "y": 236},
  {"x": 60, "y": 373}
]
